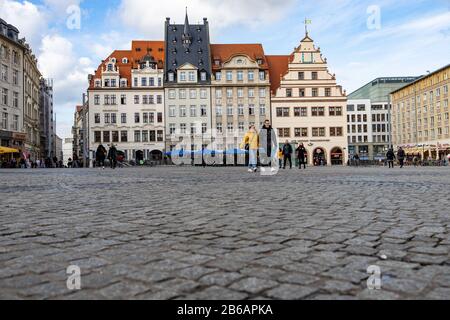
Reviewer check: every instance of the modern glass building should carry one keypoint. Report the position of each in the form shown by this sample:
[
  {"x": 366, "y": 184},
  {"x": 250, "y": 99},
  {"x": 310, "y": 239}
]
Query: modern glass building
[{"x": 369, "y": 118}]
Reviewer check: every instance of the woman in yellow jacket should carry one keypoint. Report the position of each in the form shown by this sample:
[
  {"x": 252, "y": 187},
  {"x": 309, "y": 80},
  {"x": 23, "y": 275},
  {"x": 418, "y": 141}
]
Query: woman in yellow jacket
[{"x": 251, "y": 143}]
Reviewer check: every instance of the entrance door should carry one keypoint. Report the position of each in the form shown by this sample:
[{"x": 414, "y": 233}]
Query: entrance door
[
  {"x": 319, "y": 157},
  {"x": 337, "y": 157}
]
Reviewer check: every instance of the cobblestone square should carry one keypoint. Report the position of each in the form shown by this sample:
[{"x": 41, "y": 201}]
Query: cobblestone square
[{"x": 223, "y": 233}]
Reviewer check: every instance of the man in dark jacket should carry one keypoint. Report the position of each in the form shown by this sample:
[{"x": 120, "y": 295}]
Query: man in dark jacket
[
  {"x": 287, "y": 152},
  {"x": 401, "y": 156},
  {"x": 268, "y": 143},
  {"x": 301, "y": 155},
  {"x": 390, "y": 156},
  {"x": 112, "y": 156},
  {"x": 100, "y": 156}
]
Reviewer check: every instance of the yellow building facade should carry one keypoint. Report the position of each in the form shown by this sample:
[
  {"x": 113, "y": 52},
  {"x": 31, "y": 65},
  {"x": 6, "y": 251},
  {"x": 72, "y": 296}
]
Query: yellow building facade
[{"x": 420, "y": 116}]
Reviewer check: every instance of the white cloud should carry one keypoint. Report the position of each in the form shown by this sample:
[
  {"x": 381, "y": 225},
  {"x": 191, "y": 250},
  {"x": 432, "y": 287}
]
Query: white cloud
[
  {"x": 60, "y": 6},
  {"x": 27, "y": 17},
  {"x": 59, "y": 61},
  {"x": 419, "y": 28},
  {"x": 148, "y": 19}
]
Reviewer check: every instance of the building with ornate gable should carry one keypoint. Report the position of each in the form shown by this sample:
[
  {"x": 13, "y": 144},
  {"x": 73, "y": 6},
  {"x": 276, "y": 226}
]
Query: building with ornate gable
[{"x": 308, "y": 106}]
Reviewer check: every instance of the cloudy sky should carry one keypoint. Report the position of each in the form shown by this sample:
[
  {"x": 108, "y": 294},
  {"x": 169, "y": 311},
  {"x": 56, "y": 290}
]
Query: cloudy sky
[{"x": 361, "y": 39}]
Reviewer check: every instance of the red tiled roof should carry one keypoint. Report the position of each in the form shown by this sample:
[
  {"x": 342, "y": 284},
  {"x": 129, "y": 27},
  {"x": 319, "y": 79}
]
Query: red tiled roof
[
  {"x": 139, "y": 49},
  {"x": 278, "y": 67},
  {"x": 224, "y": 52}
]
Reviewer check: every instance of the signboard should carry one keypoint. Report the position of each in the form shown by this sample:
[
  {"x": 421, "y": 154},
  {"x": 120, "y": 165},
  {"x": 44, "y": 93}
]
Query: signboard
[{"x": 19, "y": 136}]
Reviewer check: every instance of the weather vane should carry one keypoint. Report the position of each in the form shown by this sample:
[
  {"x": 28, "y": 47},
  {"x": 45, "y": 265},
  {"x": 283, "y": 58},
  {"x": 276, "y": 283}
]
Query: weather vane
[{"x": 307, "y": 21}]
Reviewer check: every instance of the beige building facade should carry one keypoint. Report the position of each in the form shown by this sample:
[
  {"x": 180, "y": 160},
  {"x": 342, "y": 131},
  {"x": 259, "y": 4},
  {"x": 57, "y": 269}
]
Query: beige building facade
[
  {"x": 240, "y": 92},
  {"x": 308, "y": 106},
  {"x": 11, "y": 87},
  {"x": 420, "y": 116},
  {"x": 31, "y": 109}
]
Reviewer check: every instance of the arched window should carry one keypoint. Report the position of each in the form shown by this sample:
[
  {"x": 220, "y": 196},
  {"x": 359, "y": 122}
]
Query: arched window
[{"x": 124, "y": 60}]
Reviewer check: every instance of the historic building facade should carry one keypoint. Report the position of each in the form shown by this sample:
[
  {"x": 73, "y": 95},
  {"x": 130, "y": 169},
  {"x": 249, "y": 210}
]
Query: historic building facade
[
  {"x": 308, "y": 106},
  {"x": 78, "y": 133},
  {"x": 11, "y": 87},
  {"x": 369, "y": 118},
  {"x": 31, "y": 108},
  {"x": 47, "y": 121},
  {"x": 240, "y": 92},
  {"x": 187, "y": 85},
  {"x": 420, "y": 116},
  {"x": 126, "y": 102}
]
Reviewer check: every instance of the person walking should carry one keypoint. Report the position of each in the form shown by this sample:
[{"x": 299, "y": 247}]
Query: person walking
[
  {"x": 100, "y": 156},
  {"x": 112, "y": 156},
  {"x": 267, "y": 142},
  {"x": 390, "y": 157},
  {"x": 301, "y": 155},
  {"x": 356, "y": 159},
  {"x": 287, "y": 152},
  {"x": 401, "y": 156},
  {"x": 251, "y": 144},
  {"x": 280, "y": 158},
  {"x": 22, "y": 163}
]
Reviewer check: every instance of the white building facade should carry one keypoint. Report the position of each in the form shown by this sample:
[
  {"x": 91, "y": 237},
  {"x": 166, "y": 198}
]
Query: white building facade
[{"x": 126, "y": 103}]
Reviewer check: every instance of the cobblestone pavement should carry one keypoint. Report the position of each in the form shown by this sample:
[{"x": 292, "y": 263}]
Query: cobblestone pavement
[{"x": 223, "y": 233}]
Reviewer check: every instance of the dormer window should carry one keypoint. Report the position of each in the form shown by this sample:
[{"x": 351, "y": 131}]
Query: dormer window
[
  {"x": 199, "y": 29},
  {"x": 97, "y": 83},
  {"x": 110, "y": 67},
  {"x": 124, "y": 60},
  {"x": 113, "y": 60},
  {"x": 174, "y": 29},
  {"x": 199, "y": 40},
  {"x": 174, "y": 51},
  {"x": 174, "y": 40},
  {"x": 239, "y": 61},
  {"x": 123, "y": 83},
  {"x": 200, "y": 62},
  {"x": 203, "y": 76},
  {"x": 200, "y": 51},
  {"x": 186, "y": 40},
  {"x": 187, "y": 51},
  {"x": 217, "y": 62},
  {"x": 174, "y": 63},
  {"x": 260, "y": 61},
  {"x": 171, "y": 77}
]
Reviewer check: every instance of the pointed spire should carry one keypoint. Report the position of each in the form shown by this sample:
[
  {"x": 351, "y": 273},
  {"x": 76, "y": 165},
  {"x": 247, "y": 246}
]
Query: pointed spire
[{"x": 186, "y": 23}]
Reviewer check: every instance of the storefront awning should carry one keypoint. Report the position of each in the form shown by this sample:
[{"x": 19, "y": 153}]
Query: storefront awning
[{"x": 8, "y": 150}]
